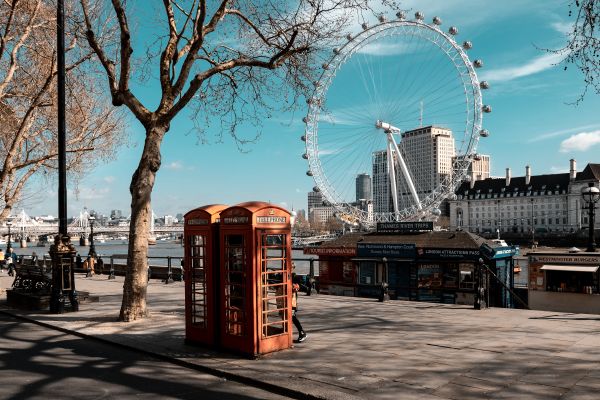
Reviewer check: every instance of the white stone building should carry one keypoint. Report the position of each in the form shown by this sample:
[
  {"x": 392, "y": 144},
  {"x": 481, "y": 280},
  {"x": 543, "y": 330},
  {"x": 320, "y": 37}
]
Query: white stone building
[{"x": 525, "y": 204}]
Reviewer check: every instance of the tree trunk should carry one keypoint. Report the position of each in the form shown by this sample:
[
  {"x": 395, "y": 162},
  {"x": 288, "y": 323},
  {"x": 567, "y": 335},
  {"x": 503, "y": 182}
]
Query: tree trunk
[{"x": 142, "y": 182}]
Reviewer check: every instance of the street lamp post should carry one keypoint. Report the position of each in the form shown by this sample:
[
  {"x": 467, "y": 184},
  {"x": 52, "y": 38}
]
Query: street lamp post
[
  {"x": 92, "y": 252},
  {"x": 62, "y": 252},
  {"x": 591, "y": 195},
  {"x": 8, "y": 244},
  {"x": 532, "y": 227}
]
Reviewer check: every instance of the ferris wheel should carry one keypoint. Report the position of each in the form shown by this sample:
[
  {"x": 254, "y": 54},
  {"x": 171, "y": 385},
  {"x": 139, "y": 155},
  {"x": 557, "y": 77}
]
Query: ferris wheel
[{"x": 398, "y": 107}]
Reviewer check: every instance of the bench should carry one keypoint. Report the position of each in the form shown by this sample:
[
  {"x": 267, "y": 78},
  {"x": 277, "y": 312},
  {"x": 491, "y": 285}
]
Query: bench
[{"x": 32, "y": 278}]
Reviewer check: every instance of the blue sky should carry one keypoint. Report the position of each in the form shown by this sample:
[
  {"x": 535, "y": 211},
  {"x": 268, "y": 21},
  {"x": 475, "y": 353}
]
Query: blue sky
[{"x": 531, "y": 122}]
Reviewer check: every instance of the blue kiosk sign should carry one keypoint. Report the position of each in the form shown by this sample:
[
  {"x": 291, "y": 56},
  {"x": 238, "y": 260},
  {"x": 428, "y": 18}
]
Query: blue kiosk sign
[{"x": 396, "y": 250}]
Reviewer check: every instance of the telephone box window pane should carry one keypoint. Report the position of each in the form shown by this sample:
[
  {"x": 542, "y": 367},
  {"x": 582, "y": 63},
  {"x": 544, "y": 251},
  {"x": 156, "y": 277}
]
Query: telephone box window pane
[
  {"x": 274, "y": 240},
  {"x": 197, "y": 250},
  {"x": 275, "y": 265},
  {"x": 275, "y": 253},
  {"x": 198, "y": 276},
  {"x": 235, "y": 289},
  {"x": 197, "y": 240}
]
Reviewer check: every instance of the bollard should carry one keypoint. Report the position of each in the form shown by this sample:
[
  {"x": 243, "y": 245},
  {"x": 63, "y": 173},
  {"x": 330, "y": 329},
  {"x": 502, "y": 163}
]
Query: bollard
[
  {"x": 111, "y": 274},
  {"x": 383, "y": 292},
  {"x": 169, "y": 278}
]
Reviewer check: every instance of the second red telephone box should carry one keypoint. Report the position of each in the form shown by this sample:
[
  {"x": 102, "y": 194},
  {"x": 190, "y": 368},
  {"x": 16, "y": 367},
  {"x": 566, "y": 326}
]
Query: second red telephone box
[
  {"x": 201, "y": 242},
  {"x": 255, "y": 282}
]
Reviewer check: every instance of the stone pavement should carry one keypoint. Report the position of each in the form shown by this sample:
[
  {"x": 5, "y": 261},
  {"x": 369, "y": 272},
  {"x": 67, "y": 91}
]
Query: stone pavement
[{"x": 359, "y": 348}]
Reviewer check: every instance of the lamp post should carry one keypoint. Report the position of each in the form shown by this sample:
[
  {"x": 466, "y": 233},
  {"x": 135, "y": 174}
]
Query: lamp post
[
  {"x": 8, "y": 244},
  {"x": 532, "y": 227},
  {"x": 92, "y": 252},
  {"x": 591, "y": 195}
]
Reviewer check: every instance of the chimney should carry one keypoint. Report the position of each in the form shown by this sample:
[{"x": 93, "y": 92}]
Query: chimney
[
  {"x": 573, "y": 170},
  {"x": 527, "y": 174},
  {"x": 507, "y": 176},
  {"x": 471, "y": 182}
]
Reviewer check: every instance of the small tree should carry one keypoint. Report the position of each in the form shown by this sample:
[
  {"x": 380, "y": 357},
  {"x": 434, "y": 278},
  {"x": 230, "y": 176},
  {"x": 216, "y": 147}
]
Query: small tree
[
  {"x": 235, "y": 60},
  {"x": 583, "y": 47},
  {"x": 28, "y": 145}
]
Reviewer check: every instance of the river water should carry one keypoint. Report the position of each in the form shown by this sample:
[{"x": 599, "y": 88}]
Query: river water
[{"x": 161, "y": 249}]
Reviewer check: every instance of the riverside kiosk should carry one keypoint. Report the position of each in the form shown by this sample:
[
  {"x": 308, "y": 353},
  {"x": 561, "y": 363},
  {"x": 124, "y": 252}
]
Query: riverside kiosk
[
  {"x": 201, "y": 272},
  {"x": 252, "y": 315}
]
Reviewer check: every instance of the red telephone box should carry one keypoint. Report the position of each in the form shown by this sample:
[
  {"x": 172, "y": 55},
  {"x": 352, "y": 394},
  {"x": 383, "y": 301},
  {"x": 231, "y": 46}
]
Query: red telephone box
[
  {"x": 201, "y": 245},
  {"x": 255, "y": 279}
]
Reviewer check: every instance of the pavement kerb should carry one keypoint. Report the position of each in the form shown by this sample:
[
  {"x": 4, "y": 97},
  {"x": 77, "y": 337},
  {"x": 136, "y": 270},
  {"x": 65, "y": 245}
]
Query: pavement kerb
[{"x": 246, "y": 380}]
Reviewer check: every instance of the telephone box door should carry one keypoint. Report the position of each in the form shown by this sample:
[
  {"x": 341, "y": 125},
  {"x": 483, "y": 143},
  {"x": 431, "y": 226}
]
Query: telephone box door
[
  {"x": 274, "y": 290},
  {"x": 236, "y": 280},
  {"x": 201, "y": 269}
]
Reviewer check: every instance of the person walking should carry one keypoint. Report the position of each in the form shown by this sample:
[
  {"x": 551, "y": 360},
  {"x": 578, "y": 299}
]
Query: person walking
[
  {"x": 11, "y": 259},
  {"x": 1, "y": 259},
  {"x": 301, "y": 333}
]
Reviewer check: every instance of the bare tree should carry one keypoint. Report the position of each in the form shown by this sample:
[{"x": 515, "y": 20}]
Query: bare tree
[
  {"x": 28, "y": 145},
  {"x": 583, "y": 47},
  {"x": 233, "y": 60}
]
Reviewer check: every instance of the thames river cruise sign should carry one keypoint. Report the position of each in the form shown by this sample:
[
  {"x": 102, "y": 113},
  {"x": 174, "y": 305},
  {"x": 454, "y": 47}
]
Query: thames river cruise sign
[{"x": 404, "y": 227}]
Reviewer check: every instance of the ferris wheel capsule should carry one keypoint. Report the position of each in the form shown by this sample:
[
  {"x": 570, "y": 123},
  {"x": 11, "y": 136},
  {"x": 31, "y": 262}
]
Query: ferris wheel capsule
[
  {"x": 401, "y": 15},
  {"x": 419, "y": 16},
  {"x": 305, "y": 156},
  {"x": 487, "y": 109},
  {"x": 467, "y": 45},
  {"x": 309, "y": 173},
  {"x": 336, "y": 51},
  {"x": 316, "y": 189},
  {"x": 484, "y": 85},
  {"x": 478, "y": 63},
  {"x": 349, "y": 37},
  {"x": 437, "y": 212},
  {"x": 303, "y": 138},
  {"x": 381, "y": 18},
  {"x": 365, "y": 26},
  {"x": 305, "y": 119},
  {"x": 453, "y": 31},
  {"x": 484, "y": 133},
  {"x": 437, "y": 20}
]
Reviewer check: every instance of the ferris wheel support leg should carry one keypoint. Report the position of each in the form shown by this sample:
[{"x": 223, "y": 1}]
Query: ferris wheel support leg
[
  {"x": 392, "y": 177},
  {"x": 404, "y": 169}
]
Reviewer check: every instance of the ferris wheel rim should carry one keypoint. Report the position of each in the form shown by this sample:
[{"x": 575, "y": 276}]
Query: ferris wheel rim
[{"x": 473, "y": 125}]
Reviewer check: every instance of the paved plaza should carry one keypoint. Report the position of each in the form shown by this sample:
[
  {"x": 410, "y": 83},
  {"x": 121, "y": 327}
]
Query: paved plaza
[{"x": 360, "y": 348}]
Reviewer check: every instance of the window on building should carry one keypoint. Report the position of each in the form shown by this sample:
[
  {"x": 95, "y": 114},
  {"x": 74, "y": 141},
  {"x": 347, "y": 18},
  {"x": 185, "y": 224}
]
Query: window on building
[
  {"x": 367, "y": 273},
  {"x": 466, "y": 276}
]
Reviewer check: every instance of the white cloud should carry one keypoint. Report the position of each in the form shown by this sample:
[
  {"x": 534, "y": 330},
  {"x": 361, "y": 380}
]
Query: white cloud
[
  {"x": 109, "y": 179},
  {"x": 558, "y": 170},
  {"x": 580, "y": 142},
  {"x": 538, "y": 64},
  {"x": 174, "y": 165},
  {"x": 88, "y": 193},
  {"x": 562, "y": 132},
  {"x": 562, "y": 26}
]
